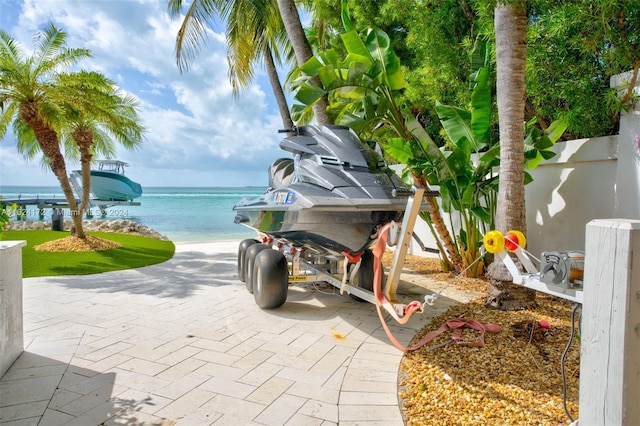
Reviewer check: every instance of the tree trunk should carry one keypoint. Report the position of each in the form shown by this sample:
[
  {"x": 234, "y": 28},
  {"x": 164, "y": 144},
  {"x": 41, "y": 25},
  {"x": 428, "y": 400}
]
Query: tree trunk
[
  {"x": 503, "y": 294},
  {"x": 84, "y": 139},
  {"x": 281, "y": 99},
  {"x": 511, "y": 44},
  {"x": 302, "y": 50},
  {"x": 48, "y": 140}
]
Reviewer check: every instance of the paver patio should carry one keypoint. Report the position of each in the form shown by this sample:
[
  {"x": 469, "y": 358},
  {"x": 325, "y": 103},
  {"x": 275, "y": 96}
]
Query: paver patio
[{"x": 184, "y": 343}]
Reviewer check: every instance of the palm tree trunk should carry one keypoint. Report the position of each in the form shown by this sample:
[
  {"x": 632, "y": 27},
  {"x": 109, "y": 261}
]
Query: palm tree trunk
[
  {"x": 511, "y": 54},
  {"x": 76, "y": 217},
  {"x": 48, "y": 140},
  {"x": 302, "y": 50},
  {"x": 278, "y": 92},
  {"x": 84, "y": 139},
  {"x": 511, "y": 43}
]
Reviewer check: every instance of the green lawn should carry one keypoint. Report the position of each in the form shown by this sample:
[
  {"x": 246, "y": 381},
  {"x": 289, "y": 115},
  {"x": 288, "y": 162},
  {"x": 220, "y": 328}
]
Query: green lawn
[{"x": 135, "y": 252}]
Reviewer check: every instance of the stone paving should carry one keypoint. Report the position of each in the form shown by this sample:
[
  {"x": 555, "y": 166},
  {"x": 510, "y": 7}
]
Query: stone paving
[{"x": 183, "y": 343}]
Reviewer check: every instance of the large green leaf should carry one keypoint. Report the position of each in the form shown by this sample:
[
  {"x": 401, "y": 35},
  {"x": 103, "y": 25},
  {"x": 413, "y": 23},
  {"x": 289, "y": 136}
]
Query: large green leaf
[
  {"x": 300, "y": 113},
  {"x": 459, "y": 161},
  {"x": 468, "y": 195},
  {"x": 327, "y": 75},
  {"x": 399, "y": 149},
  {"x": 346, "y": 19},
  {"x": 533, "y": 162},
  {"x": 353, "y": 57},
  {"x": 445, "y": 199},
  {"x": 309, "y": 93},
  {"x": 491, "y": 157},
  {"x": 556, "y": 129},
  {"x": 482, "y": 213},
  {"x": 429, "y": 148},
  {"x": 456, "y": 123},
  {"x": 348, "y": 93},
  {"x": 353, "y": 121},
  {"x": 356, "y": 75},
  {"x": 330, "y": 56},
  {"x": 354, "y": 45},
  {"x": 480, "y": 56},
  {"x": 481, "y": 110},
  {"x": 379, "y": 47},
  {"x": 312, "y": 66},
  {"x": 538, "y": 143}
]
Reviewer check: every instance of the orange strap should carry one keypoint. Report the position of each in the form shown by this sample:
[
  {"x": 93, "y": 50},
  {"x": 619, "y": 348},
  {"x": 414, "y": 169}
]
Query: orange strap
[
  {"x": 382, "y": 302},
  {"x": 457, "y": 325}
]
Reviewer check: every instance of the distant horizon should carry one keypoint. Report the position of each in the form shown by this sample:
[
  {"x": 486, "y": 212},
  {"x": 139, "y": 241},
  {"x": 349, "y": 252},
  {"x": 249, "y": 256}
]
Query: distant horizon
[{"x": 158, "y": 186}]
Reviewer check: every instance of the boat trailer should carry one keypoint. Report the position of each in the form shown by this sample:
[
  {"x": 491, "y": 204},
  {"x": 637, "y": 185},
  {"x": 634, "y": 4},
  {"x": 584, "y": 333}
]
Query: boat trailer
[{"x": 268, "y": 267}]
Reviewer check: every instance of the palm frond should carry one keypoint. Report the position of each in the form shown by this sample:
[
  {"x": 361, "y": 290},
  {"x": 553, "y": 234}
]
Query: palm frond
[
  {"x": 9, "y": 47},
  {"x": 193, "y": 30}
]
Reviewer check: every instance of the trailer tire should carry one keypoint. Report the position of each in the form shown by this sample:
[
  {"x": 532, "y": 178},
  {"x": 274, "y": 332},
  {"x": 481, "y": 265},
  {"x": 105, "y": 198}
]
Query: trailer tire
[
  {"x": 250, "y": 255},
  {"x": 242, "y": 257},
  {"x": 365, "y": 274},
  {"x": 271, "y": 279}
]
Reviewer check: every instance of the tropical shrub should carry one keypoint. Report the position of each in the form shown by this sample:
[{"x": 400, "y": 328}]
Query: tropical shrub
[{"x": 362, "y": 87}]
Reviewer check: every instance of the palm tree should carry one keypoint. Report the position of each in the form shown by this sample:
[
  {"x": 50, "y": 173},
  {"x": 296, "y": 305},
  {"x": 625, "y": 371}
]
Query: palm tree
[
  {"x": 302, "y": 50},
  {"x": 31, "y": 93},
  {"x": 254, "y": 32},
  {"x": 511, "y": 42},
  {"x": 103, "y": 112}
]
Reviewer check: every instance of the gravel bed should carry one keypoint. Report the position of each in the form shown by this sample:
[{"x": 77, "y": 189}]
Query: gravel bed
[{"x": 515, "y": 379}]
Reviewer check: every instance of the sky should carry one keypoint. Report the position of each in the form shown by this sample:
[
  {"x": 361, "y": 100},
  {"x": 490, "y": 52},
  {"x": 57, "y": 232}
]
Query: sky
[{"x": 198, "y": 134}]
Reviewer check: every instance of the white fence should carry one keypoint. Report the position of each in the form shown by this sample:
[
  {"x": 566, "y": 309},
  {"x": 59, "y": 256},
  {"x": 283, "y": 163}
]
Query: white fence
[
  {"x": 610, "y": 334},
  {"x": 587, "y": 179}
]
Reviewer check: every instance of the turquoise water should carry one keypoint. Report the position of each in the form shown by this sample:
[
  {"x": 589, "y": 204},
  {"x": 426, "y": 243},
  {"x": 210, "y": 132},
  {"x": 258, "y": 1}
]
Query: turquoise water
[{"x": 181, "y": 214}]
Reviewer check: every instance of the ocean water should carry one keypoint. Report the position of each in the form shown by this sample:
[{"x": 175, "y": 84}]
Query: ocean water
[{"x": 182, "y": 214}]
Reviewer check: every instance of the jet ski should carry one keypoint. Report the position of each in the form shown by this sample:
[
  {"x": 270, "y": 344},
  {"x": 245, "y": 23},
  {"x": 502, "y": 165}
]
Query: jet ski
[{"x": 331, "y": 197}]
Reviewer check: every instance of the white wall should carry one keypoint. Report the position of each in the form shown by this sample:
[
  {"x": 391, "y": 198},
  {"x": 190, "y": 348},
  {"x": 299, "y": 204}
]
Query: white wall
[
  {"x": 597, "y": 178},
  {"x": 568, "y": 191}
]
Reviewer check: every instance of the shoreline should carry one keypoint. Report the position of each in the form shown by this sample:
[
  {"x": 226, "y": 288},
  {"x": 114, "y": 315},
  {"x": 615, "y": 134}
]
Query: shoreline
[{"x": 121, "y": 226}]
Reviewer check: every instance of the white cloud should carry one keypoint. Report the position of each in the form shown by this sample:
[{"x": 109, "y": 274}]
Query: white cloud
[{"x": 195, "y": 126}]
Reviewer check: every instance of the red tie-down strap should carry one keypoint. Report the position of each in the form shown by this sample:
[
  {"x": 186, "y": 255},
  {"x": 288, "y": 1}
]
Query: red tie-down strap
[
  {"x": 382, "y": 302},
  {"x": 457, "y": 325}
]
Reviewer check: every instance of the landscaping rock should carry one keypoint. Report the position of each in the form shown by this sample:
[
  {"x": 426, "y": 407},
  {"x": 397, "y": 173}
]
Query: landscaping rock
[{"x": 120, "y": 226}]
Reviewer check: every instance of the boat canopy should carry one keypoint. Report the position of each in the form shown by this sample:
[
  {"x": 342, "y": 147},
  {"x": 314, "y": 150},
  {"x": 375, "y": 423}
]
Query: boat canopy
[{"x": 114, "y": 166}]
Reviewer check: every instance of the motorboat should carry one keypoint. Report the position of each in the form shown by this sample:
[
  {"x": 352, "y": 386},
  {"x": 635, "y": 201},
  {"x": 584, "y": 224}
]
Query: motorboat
[
  {"x": 108, "y": 181},
  {"x": 331, "y": 197}
]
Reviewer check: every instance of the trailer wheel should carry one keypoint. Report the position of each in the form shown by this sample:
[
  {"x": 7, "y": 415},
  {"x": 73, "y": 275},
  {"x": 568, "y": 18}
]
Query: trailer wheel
[
  {"x": 242, "y": 257},
  {"x": 364, "y": 277},
  {"x": 271, "y": 279},
  {"x": 250, "y": 255}
]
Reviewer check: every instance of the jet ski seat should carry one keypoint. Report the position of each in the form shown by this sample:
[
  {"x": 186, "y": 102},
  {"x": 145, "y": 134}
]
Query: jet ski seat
[{"x": 281, "y": 172}]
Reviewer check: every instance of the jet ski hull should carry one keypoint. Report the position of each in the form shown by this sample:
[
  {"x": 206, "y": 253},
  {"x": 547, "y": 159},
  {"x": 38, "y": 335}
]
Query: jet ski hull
[
  {"x": 323, "y": 231},
  {"x": 332, "y": 197}
]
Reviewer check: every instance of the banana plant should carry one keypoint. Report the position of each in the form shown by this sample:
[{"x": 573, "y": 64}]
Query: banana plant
[
  {"x": 361, "y": 88},
  {"x": 471, "y": 189}
]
